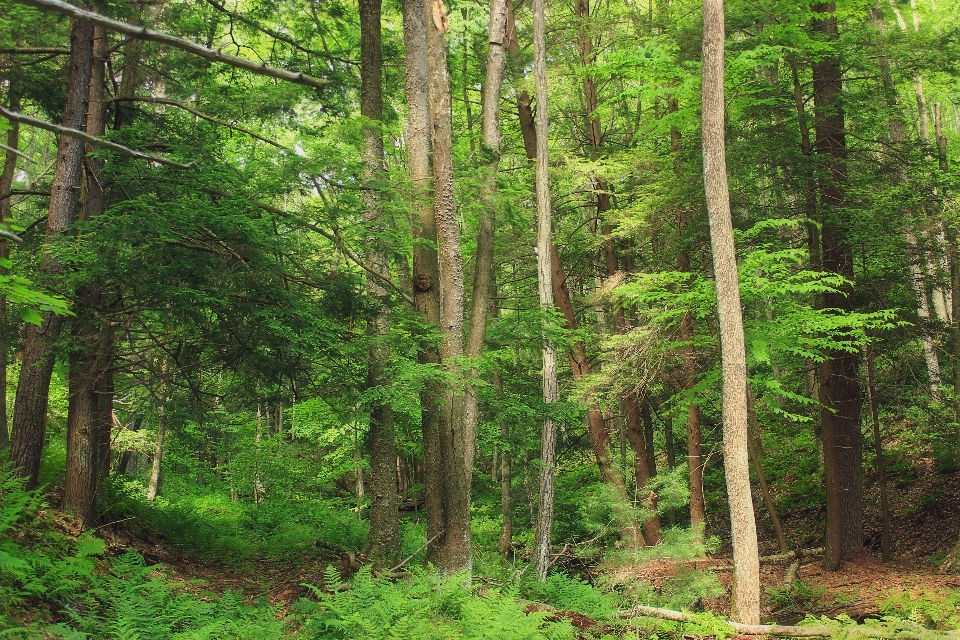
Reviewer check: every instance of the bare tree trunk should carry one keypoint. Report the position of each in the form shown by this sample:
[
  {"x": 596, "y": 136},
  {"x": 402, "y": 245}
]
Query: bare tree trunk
[
  {"x": 635, "y": 432},
  {"x": 498, "y": 40},
  {"x": 753, "y": 449},
  {"x": 745, "y": 600},
  {"x": 6, "y": 185},
  {"x": 383, "y": 542},
  {"x": 93, "y": 342},
  {"x": 156, "y": 468},
  {"x": 551, "y": 392},
  {"x": 886, "y": 542},
  {"x": 839, "y": 383},
  {"x": 30, "y": 412},
  {"x": 506, "y": 484},
  {"x": 426, "y": 280},
  {"x": 454, "y": 552},
  {"x": 698, "y": 514}
]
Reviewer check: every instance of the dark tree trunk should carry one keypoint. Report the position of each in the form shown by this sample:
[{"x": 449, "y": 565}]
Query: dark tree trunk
[
  {"x": 6, "y": 184},
  {"x": 29, "y": 420},
  {"x": 839, "y": 383},
  {"x": 383, "y": 541}
]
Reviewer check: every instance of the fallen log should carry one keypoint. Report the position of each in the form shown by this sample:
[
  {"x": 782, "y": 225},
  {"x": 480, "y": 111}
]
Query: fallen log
[{"x": 786, "y": 631}]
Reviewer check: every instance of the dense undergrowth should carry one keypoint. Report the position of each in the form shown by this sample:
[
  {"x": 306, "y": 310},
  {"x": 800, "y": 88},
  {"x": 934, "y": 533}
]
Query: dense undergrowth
[{"x": 56, "y": 584}]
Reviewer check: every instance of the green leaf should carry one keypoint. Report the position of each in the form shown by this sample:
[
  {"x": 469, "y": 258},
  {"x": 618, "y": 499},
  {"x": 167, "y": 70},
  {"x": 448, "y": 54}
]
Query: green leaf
[{"x": 30, "y": 315}]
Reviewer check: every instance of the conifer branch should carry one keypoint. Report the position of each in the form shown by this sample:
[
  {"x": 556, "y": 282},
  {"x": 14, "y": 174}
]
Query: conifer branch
[
  {"x": 142, "y": 33},
  {"x": 97, "y": 142}
]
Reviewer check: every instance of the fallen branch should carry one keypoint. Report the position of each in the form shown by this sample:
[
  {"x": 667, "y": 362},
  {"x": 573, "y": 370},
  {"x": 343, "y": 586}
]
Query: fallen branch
[
  {"x": 797, "y": 554},
  {"x": 413, "y": 555},
  {"x": 35, "y": 51},
  {"x": 97, "y": 142},
  {"x": 786, "y": 631},
  {"x": 199, "y": 114},
  {"x": 142, "y": 33}
]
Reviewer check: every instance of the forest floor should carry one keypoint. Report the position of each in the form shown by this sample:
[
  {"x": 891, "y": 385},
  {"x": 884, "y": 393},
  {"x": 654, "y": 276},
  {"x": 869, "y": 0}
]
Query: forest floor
[{"x": 922, "y": 535}]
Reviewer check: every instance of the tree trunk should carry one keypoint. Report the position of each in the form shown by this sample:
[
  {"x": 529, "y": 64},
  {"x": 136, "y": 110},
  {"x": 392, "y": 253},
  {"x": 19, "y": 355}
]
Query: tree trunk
[
  {"x": 754, "y": 450},
  {"x": 156, "y": 468},
  {"x": 383, "y": 541},
  {"x": 551, "y": 392},
  {"x": 454, "y": 552},
  {"x": 426, "y": 293},
  {"x": 6, "y": 185},
  {"x": 886, "y": 542},
  {"x": 506, "y": 483},
  {"x": 839, "y": 384},
  {"x": 635, "y": 432},
  {"x": 30, "y": 411},
  {"x": 88, "y": 447},
  {"x": 745, "y": 600},
  {"x": 498, "y": 39}
]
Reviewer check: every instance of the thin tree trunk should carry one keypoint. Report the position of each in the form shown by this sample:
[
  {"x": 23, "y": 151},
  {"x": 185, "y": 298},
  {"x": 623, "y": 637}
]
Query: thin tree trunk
[
  {"x": 635, "y": 432},
  {"x": 886, "y": 542},
  {"x": 383, "y": 542},
  {"x": 506, "y": 483},
  {"x": 498, "y": 39},
  {"x": 839, "y": 383},
  {"x": 30, "y": 411},
  {"x": 745, "y": 600},
  {"x": 551, "y": 392},
  {"x": 753, "y": 450},
  {"x": 156, "y": 468},
  {"x": 6, "y": 185}
]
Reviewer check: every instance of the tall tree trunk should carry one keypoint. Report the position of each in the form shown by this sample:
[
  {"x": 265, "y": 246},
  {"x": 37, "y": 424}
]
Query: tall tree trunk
[
  {"x": 506, "y": 482},
  {"x": 426, "y": 280},
  {"x": 6, "y": 185},
  {"x": 93, "y": 339},
  {"x": 30, "y": 410},
  {"x": 745, "y": 605},
  {"x": 498, "y": 40},
  {"x": 454, "y": 552},
  {"x": 551, "y": 392},
  {"x": 839, "y": 383},
  {"x": 383, "y": 541}
]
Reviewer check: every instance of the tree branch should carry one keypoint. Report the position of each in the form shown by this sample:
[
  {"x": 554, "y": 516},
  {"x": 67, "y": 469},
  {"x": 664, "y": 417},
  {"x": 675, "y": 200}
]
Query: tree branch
[
  {"x": 35, "y": 51},
  {"x": 219, "y": 6},
  {"x": 80, "y": 135},
  {"x": 199, "y": 114},
  {"x": 142, "y": 33}
]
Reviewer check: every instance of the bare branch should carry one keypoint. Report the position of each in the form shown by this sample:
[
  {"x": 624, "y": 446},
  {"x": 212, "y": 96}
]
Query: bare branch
[
  {"x": 142, "y": 33},
  {"x": 19, "y": 153},
  {"x": 199, "y": 114},
  {"x": 80, "y": 135},
  {"x": 35, "y": 51}
]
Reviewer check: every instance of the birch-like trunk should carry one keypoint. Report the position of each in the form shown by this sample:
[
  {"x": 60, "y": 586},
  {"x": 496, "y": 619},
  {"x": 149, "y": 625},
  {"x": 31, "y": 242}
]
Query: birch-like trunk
[{"x": 551, "y": 394}]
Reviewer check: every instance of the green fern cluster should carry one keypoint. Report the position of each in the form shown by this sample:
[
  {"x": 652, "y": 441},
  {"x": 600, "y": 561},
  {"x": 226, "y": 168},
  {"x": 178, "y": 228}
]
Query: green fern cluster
[
  {"x": 425, "y": 606},
  {"x": 573, "y": 594}
]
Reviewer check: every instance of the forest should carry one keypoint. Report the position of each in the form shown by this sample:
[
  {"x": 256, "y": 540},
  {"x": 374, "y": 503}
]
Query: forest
[{"x": 540, "y": 320}]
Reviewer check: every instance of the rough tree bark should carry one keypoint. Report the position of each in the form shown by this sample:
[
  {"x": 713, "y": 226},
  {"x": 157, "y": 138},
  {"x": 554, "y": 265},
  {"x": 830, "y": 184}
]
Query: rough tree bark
[
  {"x": 6, "y": 184},
  {"x": 453, "y": 552},
  {"x": 745, "y": 605},
  {"x": 551, "y": 392},
  {"x": 839, "y": 383},
  {"x": 383, "y": 542},
  {"x": 29, "y": 419}
]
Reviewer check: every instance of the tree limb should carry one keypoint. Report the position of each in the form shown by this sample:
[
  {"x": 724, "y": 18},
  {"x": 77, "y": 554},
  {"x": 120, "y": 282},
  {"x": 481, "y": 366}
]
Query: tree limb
[
  {"x": 80, "y": 135},
  {"x": 19, "y": 153},
  {"x": 219, "y": 6},
  {"x": 35, "y": 51},
  {"x": 142, "y": 33},
  {"x": 199, "y": 114}
]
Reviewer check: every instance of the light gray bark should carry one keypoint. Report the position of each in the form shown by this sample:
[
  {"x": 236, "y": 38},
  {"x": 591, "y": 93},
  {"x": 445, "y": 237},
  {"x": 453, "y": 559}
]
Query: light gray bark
[
  {"x": 551, "y": 394},
  {"x": 746, "y": 558}
]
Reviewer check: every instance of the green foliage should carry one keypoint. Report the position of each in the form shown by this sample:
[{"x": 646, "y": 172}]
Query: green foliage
[
  {"x": 423, "y": 606},
  {"x": 798, "y": 594},
  {"x": 573, "y": 594},
  {"x": 938, "y": 609}
]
